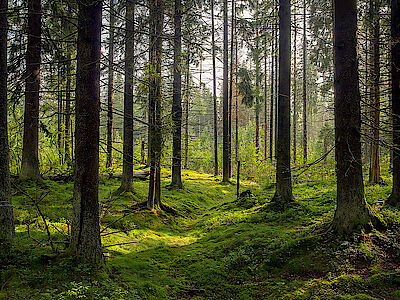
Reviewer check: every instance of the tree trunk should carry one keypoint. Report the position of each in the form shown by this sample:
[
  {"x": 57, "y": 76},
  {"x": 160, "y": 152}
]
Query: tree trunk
[
  {"x": 375, "y": 167},
  {"x": 283, "y": 194},
  {"x": 214, "y": 91},
  {"x": 156, "y": 28},
  {"x": 30, "y": 150},
  {"x": 85, "y": 230},
  {"x": 6, "y": 209},
  {"x": 271, "y": 116},
  {"x": 187, "y": 107},
  {"x": 225, "y": 101},
  {"x": 295, "y": 92},
  {"x": 67, "y": 124},
  {"x": 60, "y": 116},
  {"x": 127, "y": 167},
  {"x": 257, "y": 63},
  {"x": 231, "y": 90},
  {"x": 352, "y": 210},
  {"x": 110, "y": 92},
  {"x": 305, "y": 140},
  {"x": 177, "y": 99},
  {"x": 265, "y": 93},
  {"x": 395, "y": 32}
]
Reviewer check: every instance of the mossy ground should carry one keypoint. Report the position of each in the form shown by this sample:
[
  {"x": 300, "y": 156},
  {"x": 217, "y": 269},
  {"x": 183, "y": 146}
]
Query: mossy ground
[{"x": 214, "y": 247}]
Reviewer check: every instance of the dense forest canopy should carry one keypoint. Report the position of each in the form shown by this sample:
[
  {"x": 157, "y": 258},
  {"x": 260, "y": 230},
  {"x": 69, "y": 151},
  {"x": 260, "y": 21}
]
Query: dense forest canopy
[{"x": 199, "y": 149}]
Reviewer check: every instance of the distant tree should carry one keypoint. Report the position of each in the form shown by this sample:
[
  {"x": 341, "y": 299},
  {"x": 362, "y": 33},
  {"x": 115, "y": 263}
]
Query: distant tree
[
  {"x": 6, "y": 210},
  {"x": 295, "y": 90},
  {"x": 305, "y": 137},
  {"x": 352, "y": 210},
  {"x": 177, "y": 99},
  {"x": 127, "y": 172},
  {"x": 394, "y": 198},
  {"x": 30, "y": 150},
  {"x": 85, "y": 230},
  {"x": 283, "y": 194},
  {"x": 155, "y": 134}
]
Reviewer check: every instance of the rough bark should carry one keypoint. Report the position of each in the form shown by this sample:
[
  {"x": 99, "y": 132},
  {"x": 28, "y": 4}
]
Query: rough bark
[
  {"x": 283, "y": 194},
  {"x": 30, "y": 150},
  {"x": 156, "y": 28},
  {"x": 67, "y": 124},
  {"x": 395, "y": 64},
  {"x": 295, "y": 92},
  {"x": 225, "y": 100},
  {"x": 85, "y": 230},
  {"x": 265, "y": 94},
  {"x": 352, "y": 210},
  {"x": 6, "y": 210},
  {"x": 214, "y": 91},
  {"x": 271, "y": 116},
  {"x": 127, "y": 166},
  {"x": 110, "y": 87},
  {"x": 375, "y": 167},
  {"x": 257, "y": 63},
  {"x": 177, "y": 99},
  {"x": 231, "y": 90}
]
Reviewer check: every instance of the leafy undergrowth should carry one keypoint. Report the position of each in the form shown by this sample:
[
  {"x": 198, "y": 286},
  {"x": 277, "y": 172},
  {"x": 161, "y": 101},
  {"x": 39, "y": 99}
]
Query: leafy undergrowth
[{"x": 207, "y": 245}]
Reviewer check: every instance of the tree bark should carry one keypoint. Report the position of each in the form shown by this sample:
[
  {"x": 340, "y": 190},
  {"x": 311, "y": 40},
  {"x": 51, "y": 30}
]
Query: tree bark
[
  {"x": 305, "y": 139},
  {"x": 352, "y": 210},
  {"x": 375, "y": 167},
  {"x": 6, "y": 209},
  {"x": 85, "y": 230},
  {"x": 214, "y": 91},
  {"x": 394, "y": 198},
  {"x": 177, "y": 99},
  {"x": 67, "y": 124},
  {"x": 257, "y": 63},
  {"x": 225, "y": 101},
  {"x": 283, "y": 194},
  {"x": 271, "y": 116},
  {"x": 110, "y": 86},
  {"x": 295, "y": 92},
  {"x": 30, "y": 150},
  {"x": 187, "y": 107},
  {"x": 156, "y": 28},
  {"x": 127, "y": 167},
  {"x": 231, "y": 89}
]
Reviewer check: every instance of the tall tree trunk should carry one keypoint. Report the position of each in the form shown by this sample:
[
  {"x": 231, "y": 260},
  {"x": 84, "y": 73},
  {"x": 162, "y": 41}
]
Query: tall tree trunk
[
  {"x": 67, "y": 124},
  {"x": 85, "y": 230},
  {"x": 30, "y": 150},
  {"x": 177, "y": 99},
  {"x": 265, "y": 93},
  {"x": 231, "y": 89},
  {"x": 110, "y": 86},
  {"x": 276, "y": 84},
  {"x": 305, "y": 139},
  {"x": 352, "y": 210},
  {"x": 6, "y": 209},
  {"x": 394, "y": 198},
  {"x": 225, "y": 100},
  {"x": 236, "y": 101},
  {"x": 60, "y": 113},
  {"x": 283, "y": 194},
  {"x": 271, "y": 115},
  {"x": 127, "y": 167},
  {"x": 214, "y": 91},
  {"x": 156, "y": 28},
  {"x": 295, "y": 92},
  {"x": 187, "y": 108},
  {"x": 257, "y": 63},
  {"x": 375, "y": 167}
]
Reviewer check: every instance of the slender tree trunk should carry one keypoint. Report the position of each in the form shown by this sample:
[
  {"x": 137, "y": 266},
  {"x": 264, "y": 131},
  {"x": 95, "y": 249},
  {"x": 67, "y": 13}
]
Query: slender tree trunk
[
  {"x": 225, "y": 101},
  {"x": 187, "y": 108},
  {"x": 265, "y": 93},
  {"x": 110, "y": 86},
  {"x": 67, "y": 124},
  {"x": 394, "y": 198},
  {"x": 271, "y": 116},
  {"x": 295, "y": 92},
  {"x": 236, "y": 101},
  {"x": 375, "y": 167},
  {"x": 305, "y": 139},
  {"x": 283, "y": 194},
  {"x": 177, "y": 99},
  {"x": 214, "y": 91},
  {"x": 6, "y": 209},
  {"x": 127, "y": 167},
  {"x": 352, "y": 210},
  {"x": 231, "y": 90},
  {"x": 156, "y": 28},
  {"x": 85, "y": 230},
  {"x": 59, "y": 116},
  {"x": 257, "y": 63},
  {"x": 30, "y": 150},
  {"x": 276, "y": 85}
]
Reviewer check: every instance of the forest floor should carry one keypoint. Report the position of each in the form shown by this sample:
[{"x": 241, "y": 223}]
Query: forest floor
[{"x": 210, "y": 245}]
